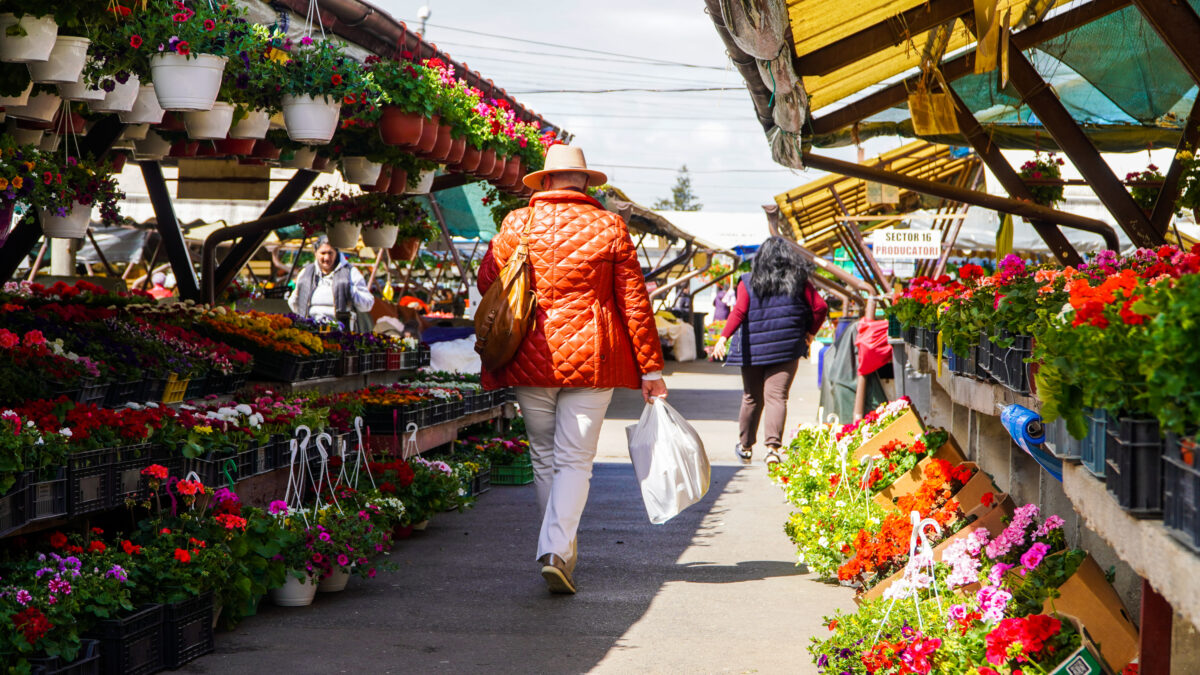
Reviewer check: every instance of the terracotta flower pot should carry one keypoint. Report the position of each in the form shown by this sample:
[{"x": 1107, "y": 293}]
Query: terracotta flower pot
[
  {"x": 429, "y": 136},
  {"x": 512, "y": 174},
  {"x": 441, "y": 149},
  {"x": 382, "y": 183},
  {"x": 470, "y": 160},
  {"x": 487, "y": 164},
  {"x": 264, "y": 149},
  {"x": 402, "y": 531},
  {"x": 458, "y": 148},
  {"x": 184, "y": 149},
  {"x": 399, "y": 128},
  {"x": 118, "y": 161},
  {"x": 399, "y": 181},
  {"x": 236, "y": 146},
  {"x": 499, "y": 169},
  {"x": 209, "y": 149},
  {"x": 405, "y": 249},
  {"x": 320, "y": 163},
  {"x": 171, "y": 122}
]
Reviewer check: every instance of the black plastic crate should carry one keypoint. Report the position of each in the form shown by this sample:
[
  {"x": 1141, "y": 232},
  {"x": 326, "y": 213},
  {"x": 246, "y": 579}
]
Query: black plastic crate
[
  {"x": 13, "y": 506},
  {"x": 212, "y": 469},
  {"x": 327, "y": 366},
  {"x": 424, "y": 355},
  {"x": 1181, "y": 490},
  {"x": 310, "y": 366},
  {"x": 246, "y": 461},
  {"x": 196, "y": 387},
  {"x": 92, "y": 392},
  {"x": 1016, "y": 371},
  {"x": 262, "y": 458},
  {"x": 156, "y": 387},
  {"x": 89, "y": 474},
  {"x": 1134, "y": 465},
  {"x": 122, "y": 392},
  {"x": 910, "y": 336},
  {"x": 277, "y": 366},
  {"x": 187, "y": 630},
  {"x": 931, "y": 339},
  {"x": 1095, "y": 444},
  {"x": 1060, "y": 443},
  {"x": 224, "y": 384},
  {"x": 128, "y": 462},
  {"x": 456, "y": 409},
  {"x": 132, "y": 645},
  {"x": 920, "y": 335},
  {"x": 87, "y": 662},
  {"x": 46, "y": 495},
  {"x": 482, "y": 482},
  {"x": 348, "y": 364}
]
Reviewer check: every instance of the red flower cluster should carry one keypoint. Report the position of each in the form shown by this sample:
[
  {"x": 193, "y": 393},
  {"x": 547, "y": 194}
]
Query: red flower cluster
[
  {"x": 32, "y": 624},
  {"x": 396, "y": 475},
  {"x": 1029, "y": 634}
]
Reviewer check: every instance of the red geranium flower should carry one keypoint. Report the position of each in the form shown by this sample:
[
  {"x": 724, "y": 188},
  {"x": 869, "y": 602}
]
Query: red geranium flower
[
  {"x": 209, "y": 24},
  {"x": 336, "y": 79},
  {"x": 135, "y": 41},
  {"x": 183, "y": 49},
  {"x": 182, "y": 555},
  {"x": 58, "y": 540}
]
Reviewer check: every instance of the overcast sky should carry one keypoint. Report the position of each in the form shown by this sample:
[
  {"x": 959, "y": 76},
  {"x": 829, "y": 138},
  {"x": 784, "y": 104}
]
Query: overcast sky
[{"x": 714, "y": 133}]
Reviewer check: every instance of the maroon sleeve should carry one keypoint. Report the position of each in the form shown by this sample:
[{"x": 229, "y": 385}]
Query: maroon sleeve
[
  {"x": 738, "y": 313},
  {"x": 819, "y": 309},
  {"x": 488, "y": 271}
]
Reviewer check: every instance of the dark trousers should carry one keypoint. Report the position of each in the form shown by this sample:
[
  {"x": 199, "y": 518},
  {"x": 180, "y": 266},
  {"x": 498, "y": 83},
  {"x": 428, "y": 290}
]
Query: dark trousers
[{"x": 765, "y": 389}]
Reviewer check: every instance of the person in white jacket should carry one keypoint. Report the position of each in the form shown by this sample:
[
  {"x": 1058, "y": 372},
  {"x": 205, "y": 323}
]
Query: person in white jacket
[{"x": 330, "y": 286}]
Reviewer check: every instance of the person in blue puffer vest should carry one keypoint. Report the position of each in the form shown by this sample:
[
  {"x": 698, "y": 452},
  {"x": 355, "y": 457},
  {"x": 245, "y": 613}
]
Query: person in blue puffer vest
[{"x": 777, "y": 315}]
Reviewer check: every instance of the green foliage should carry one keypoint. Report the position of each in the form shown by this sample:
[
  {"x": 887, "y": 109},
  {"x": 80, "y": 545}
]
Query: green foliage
[
  {"x": 682, "y": 197},
  {"x": 1170, "y": 360}
]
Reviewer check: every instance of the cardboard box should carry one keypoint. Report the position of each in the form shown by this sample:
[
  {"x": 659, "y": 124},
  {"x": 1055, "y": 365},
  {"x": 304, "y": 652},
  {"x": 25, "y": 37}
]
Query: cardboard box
[
  {"x": 908, "y": 482},
  {"x": 906, "y": 428},
  {"x": 1089, "y": 598}
]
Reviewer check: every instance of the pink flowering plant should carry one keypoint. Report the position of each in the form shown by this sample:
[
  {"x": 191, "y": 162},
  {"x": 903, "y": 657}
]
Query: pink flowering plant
[
  {"x": 345, "y": 538},
  {"x": 183, "y": 27},
  {"x": 1044, "y": 167}
]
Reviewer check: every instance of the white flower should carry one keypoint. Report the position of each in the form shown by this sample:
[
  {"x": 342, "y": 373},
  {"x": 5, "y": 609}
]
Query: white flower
[
  {"x": 243, "y": 409},
  {"x": 65, "y": 431},
  {"x": 151, "y": 404}
]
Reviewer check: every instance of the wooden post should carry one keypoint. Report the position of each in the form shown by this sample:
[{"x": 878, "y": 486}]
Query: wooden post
[{"x": 1155, "y": 635}]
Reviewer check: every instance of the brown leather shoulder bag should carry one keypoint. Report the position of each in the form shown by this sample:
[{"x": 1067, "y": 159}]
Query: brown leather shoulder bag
[{"x": 505, "y": 313}]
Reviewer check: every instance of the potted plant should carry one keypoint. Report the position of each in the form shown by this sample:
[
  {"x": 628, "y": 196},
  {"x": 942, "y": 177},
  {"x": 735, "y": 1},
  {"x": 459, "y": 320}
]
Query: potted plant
[
  {"x": 407, "y": 100},
  {"x": 414, "y": 227},
  {"x": 28, "y": 36},
  {"x": 300, "y": 586},
  {"x": 315, "y": 80},
  {"x": 1145, "y": 196},
  {"x": 339, "y": 214},
  {"x": 247, "y": 84},
  {"x": 1189, "y": 183},
  {"x": 184, "y": 47},
  {"x": 67, "y": 190},
  {"x": 1044, "y": 168}
]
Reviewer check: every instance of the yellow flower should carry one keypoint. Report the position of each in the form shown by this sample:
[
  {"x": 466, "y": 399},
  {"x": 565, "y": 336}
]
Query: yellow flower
[
  {"x": 18, "y": 182},
  {"x": 3, "y": 182},
  {"x": 204, "y": 429}
]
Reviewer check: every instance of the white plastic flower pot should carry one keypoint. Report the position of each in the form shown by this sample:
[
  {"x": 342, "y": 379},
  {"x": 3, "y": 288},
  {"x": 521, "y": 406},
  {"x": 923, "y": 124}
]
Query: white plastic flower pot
[
  {"x": 424, "y": 185},
  {"x": 254, "y": 125},
  {"x": 135, "y": 132},
  {"x": 80, "y": 91},
  {"x": 295, "y": 592},
  {"x": 186, "y": 82},
  {"x": 121, "y": 98},
  {"x": 22, "y": 99},
  {"x": 344, "y": 234},
  {"x": 49, "y": 142},
  {"x": 380, "y": 237},
  {"x": 35, "y": 45},
  {"x": 153, "y": 146},
  {"x": 207, "y": 125},
  {"x": 25, "y": 136},
  {"x": 360, "y": 170},
  {"x": 41, "y": 108},
  {"x": 146, "y": 109},
  {"x": 335, "y": 582},
  {"x": 74, "y": 225},
  {"x": 302, "y": 159},
  {"x": 309, "y": 120},
  {"x": 65, "y": 64}
]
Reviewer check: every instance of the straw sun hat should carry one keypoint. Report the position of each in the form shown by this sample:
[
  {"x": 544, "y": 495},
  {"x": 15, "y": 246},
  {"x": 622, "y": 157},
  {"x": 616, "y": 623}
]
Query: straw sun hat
[{"x": 564, "y": 158}]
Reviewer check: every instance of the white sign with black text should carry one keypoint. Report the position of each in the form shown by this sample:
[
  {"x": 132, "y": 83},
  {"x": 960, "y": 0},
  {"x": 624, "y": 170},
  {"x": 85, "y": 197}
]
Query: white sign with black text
[{"x": 893, "y": 244}]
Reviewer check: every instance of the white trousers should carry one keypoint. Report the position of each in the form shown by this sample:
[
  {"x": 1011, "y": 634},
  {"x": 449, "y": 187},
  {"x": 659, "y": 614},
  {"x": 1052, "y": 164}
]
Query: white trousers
[{"x": 563, "y": 424}]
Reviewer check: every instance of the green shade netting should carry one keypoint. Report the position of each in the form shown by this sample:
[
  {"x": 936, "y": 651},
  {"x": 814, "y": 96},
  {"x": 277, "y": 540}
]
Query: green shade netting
[{"x": 465, "y": 214}]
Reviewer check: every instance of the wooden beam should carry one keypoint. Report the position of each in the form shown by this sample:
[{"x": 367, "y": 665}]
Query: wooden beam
[
  {"x": 881, "y": 280},
  {"x": 961, "y": 66},
  {"x": 1057, "y": 120},
  {"x": 1164, "y": 206},
  {"x": 894, "y": 31}
]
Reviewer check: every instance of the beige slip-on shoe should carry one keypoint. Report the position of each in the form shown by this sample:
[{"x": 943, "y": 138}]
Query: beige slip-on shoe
[{"x": 554, "y": 571}]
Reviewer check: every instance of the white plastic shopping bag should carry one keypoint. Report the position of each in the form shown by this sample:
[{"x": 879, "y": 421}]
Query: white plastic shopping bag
[{"x": 668, "y": 457}]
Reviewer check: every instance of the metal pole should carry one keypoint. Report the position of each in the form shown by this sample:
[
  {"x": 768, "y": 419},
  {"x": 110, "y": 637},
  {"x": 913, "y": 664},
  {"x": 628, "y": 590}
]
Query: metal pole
[
  {"x": 108, "y": 268},
  {"x": 37, "y": 263},
  {"x": 168, "y": 227}
]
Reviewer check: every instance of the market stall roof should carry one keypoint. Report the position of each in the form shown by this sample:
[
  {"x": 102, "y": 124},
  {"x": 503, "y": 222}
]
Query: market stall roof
[
  {"x": 643, "y": 220},
  {"x": 813, "y": 212}
]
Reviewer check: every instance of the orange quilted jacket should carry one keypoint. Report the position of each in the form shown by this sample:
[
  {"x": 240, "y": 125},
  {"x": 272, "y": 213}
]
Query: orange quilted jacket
[{"x": 595, "y": 327}]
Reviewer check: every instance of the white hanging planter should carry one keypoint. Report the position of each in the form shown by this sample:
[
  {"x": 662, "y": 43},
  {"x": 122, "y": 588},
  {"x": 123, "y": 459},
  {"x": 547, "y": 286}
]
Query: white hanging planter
[
  {"x": 424, "y": 185},
  {"x": 344, "y": 234},
  {"x": 49, "y": 142},
  {"x": 121, "y": 98},
  {"x": 74, "y": 225},
  {"x": 295, "y": 592},
  {"x": 207, "y": 125},
  {"x": 254, "y": 125},
  {"x": 153, "y": 146},
  {"x": 65, "y": 64},
  {"x": 360, "y": 170},
  {"x": 24, "y": 136},
  {"x": 335, "y": 582},
  {"x": 135, "y": 132},
  {"x": 34, "y": 45},
  {"x": 310, "y": 120},
  {"x": 380, "y": 237},
  {"x": 146, "y": 109},
  {"x": 186, "y": 82},
  {"x": 80, "y": 91},
  {"x": 22, "y": 99},
  {"x": 41, "y": 108},
  {"x": 303, "y": 159}
]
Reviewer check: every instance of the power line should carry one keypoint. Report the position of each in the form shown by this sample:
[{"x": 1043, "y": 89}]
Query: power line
[
  {"x": 675, "y": 168},
  {"x": 646, "y": 117},
  {"x": 629, "y": 89}
]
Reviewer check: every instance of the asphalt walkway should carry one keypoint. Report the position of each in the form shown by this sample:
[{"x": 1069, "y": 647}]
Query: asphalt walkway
[{"x": 715, "y": 590}]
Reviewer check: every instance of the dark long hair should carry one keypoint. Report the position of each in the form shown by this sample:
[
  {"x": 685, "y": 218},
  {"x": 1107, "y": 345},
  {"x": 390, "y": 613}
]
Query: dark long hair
[{"x": 779, "y": 269}]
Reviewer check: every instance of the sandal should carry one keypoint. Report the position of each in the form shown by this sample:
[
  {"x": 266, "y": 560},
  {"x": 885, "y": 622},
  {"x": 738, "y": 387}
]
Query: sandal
[
  {"x": 742, "y": 453},
  {"x": 773, "y": 456}
]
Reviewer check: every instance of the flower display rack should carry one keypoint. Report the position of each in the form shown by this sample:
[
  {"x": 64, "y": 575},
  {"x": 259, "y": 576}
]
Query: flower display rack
[
  {"x": 132, "y": 645},
  {"x": 86, "y": 663},
  {"x": 187, "y": 630},
  {"x": 45, "y": 495},
  {"x": 1181, "y": 491},
  {"x": 1134, "y": 466}
]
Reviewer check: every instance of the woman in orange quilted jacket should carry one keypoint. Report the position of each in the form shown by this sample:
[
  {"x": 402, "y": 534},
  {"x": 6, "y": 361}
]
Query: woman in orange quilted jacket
[{"x": 593, "y": 331}]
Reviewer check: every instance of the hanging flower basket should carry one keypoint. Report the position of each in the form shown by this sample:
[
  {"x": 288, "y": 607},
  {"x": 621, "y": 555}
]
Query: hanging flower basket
[
  {"x": 65, "y": 64},
  {"x": 212, "y": 124},
  {"x": 184, "y": 149},
  {"x": 458, "y": 148},
  {"x": 399, "y": 128},
  {"x": 429, "y": 136},
  {"x": 41, "y": 108},
  {"x": 121, "y": 99},
  {"x": 19, "y": 100},
  {"x": 49, "y": 142},
  {"x": 441, "y": 148},
  {"x": 398, "y": 182},
  {"x": 380, "y": 237},
  {"x": 74, "y": 225},
  {"x": 425, "y": 184},
  {"x": 302, "y": 158},
  {"x": 360, "y": 170},
  {"x": 264, "y": 149},
  {"x": 24, "y": 136},
  {"x": 35, "y": 45},
  {"x": 255, "y": 125},
  {"x": 146, "y": 109},
  {"x": 344, "y": 234},
  {"x": 405, "y": 249},
  {"x": 186, "y": 82},
  {"x": 295, "y": 592},
  {"x": 309, "y": 120},
  {"x": 80, "y": 91},
  {"x": 335, "y": 582},
  {"x": 235, "y": 146},
  {"x": 153, "y": 146},
  {"x": 135, "y": 132}
]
